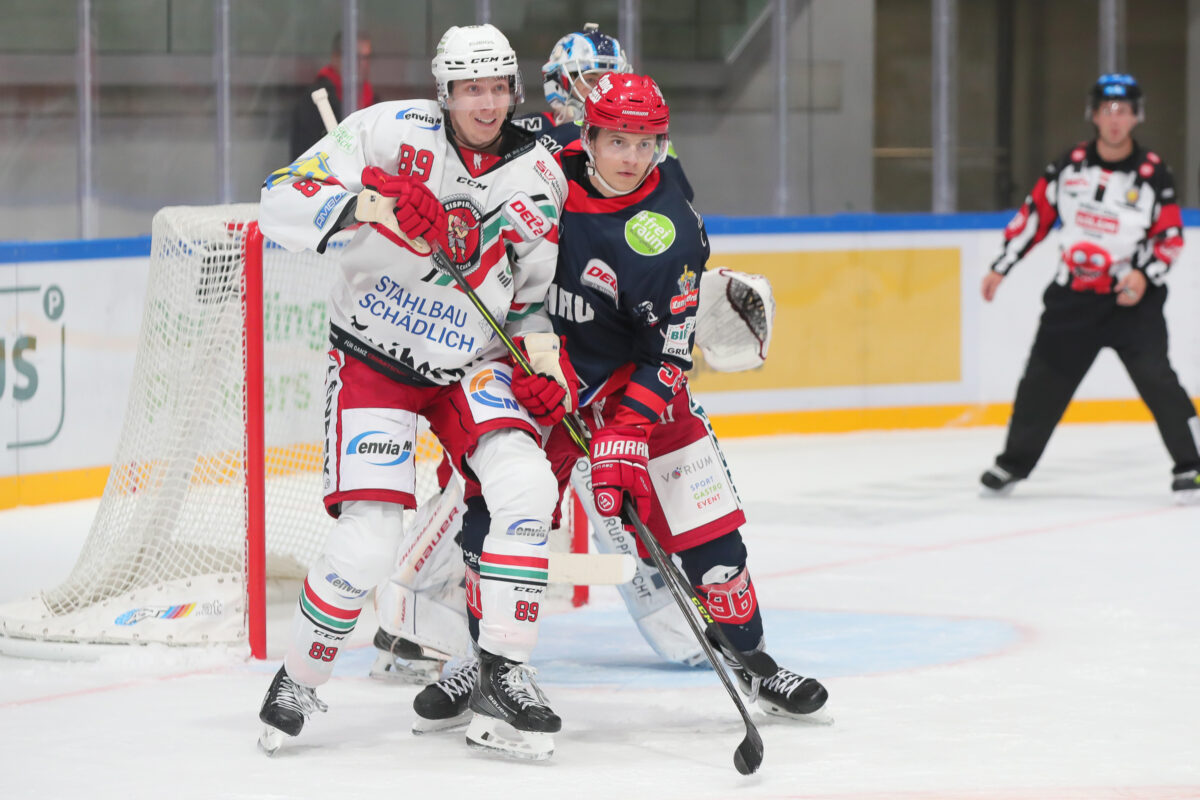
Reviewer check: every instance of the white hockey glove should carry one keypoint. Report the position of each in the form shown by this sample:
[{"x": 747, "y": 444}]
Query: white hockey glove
[{"x": 734, "y": 319}]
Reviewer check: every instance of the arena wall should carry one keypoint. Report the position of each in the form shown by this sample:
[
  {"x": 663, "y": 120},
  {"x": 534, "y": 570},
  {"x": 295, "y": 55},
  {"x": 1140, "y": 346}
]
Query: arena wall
[{"x": 879, "y": 325}]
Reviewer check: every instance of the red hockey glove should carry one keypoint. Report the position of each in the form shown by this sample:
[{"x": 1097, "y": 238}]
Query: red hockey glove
[
  {"x": 419, "y": 213},
  {"x": 541, "y": 395},
  {"x": 620, "y": 458},
  {"x": 553, "y": 389}
]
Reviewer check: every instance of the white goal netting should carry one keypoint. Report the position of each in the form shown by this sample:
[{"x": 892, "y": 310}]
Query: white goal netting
[{"x": 165, "y": 558}]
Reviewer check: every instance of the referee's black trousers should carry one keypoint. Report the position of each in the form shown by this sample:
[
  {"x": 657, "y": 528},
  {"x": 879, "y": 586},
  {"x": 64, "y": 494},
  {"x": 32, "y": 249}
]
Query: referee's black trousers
[{"x": 1073, "y": 329}]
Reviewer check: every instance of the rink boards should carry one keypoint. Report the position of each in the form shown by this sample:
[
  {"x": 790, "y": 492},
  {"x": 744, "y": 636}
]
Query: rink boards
[{"x": 879, "y": 326}]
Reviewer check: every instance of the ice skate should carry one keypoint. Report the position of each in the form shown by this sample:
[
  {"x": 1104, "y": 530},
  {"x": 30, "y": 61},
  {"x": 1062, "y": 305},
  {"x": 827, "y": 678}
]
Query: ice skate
[
  {"x": 1186, "y": 487},
  {"x": 284, "y": 710},
  {"x": 443, "y": 705},
  {"x": 403, "y": 661},
  {"x": 512, "y": 716},
  {"x": 783, "y": 693},
  {"x": 997, "y": 481}
]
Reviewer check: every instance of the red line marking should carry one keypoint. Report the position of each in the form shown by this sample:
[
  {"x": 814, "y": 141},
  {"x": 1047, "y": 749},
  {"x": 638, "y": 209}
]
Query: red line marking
[
  {"x": 999, "y": 537},
  {"x": 108, "y": 688}
]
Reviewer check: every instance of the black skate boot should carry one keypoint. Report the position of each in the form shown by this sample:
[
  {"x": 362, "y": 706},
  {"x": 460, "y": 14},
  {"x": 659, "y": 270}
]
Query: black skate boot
[
  {"x": 284, "y": 710},
  {"x": 403, "y": 661},
  {"x": 1186, "y": 487},
  {"x": 511, "y": 713},
  {"x": 782, "y": 692},
  {"x": 443, "y": 705},
  {"x": 997, "y": 480}
]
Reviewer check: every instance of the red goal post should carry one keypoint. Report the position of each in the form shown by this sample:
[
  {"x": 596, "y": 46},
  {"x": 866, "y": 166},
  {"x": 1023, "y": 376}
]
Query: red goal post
[{"x": 214, "y": 497}]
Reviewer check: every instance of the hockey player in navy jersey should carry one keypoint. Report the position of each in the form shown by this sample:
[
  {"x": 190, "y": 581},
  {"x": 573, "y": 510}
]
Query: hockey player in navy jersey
[
  {"x": 624, "y": 300},
  {"x": 577, "y": 61}
]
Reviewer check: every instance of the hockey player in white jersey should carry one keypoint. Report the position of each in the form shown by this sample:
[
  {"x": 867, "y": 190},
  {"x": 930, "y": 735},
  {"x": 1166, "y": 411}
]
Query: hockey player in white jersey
[
  {"x": 442, "y": 185},
  {"x": 421, "y": 613}
]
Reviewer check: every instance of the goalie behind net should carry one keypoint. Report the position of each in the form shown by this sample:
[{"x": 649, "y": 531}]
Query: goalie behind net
[{"x": 164, "y": 560}]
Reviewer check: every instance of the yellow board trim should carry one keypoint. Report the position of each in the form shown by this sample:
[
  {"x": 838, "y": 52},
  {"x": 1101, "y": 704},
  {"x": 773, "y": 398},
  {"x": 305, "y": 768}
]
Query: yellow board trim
[
  {"x": 853, "y": 318},
  {"x": 52, "y": 487},
  {"x": 81, "y": 484},
  {"x": 845, "y": 420}
]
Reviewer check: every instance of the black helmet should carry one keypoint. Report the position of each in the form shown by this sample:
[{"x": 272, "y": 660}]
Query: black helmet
[{"x": 1115, "y": 87}]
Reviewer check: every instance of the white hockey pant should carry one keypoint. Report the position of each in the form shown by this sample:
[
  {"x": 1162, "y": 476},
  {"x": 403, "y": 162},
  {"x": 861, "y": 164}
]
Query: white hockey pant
[
  {"x": 358, "y": 554},
  {"x": 520, "y": 491}
]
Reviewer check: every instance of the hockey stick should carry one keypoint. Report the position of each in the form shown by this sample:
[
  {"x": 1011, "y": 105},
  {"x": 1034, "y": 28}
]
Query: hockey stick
[
  {"x": 749, "y": 754},
  {"x": 593, "y": 569},
  {"x": 320, "y": 99}
]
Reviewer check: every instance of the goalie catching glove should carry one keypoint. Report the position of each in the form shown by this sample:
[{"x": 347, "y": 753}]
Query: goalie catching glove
[
  {"x": 620, "y": 456},
  {"x": 403, "y": 205},
  {"x": 552, "y": 391}
]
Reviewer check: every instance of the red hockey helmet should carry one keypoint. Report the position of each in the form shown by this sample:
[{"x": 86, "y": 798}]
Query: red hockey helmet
[
  {"x": 626, "y": 102},
  {"x": 631, "y": 104}
]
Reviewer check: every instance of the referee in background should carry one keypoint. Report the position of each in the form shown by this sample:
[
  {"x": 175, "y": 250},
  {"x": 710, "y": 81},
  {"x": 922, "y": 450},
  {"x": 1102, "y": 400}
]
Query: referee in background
[{"x": 1121, "y": 230}]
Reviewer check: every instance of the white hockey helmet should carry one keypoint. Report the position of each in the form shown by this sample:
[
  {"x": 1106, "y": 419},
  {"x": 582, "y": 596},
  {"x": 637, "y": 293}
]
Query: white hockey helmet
[
  {"x": 577, "y": 54},
  {"x": 475, "y": 51}
]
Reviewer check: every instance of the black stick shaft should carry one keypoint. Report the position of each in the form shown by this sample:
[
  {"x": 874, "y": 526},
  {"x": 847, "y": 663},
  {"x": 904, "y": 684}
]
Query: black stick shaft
[{"x": 749, "y": 754}]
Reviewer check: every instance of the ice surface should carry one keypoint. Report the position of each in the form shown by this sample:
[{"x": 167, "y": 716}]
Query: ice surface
[{"x": 1043, "y": 645}]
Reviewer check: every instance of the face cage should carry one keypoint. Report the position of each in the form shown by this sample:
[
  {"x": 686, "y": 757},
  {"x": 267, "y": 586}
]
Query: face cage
[
  {"x": 560, "y": 80},
  {"x": 662, "y": 147}
]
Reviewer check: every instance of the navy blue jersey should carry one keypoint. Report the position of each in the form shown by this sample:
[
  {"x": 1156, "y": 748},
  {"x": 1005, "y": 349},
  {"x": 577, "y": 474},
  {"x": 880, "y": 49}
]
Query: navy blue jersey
[
  {"x": 556, "y": 137},
  {"x": 626, "y": 288}
]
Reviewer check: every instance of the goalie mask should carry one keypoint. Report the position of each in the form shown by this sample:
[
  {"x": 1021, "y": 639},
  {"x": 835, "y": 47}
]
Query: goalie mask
[
  {"x": 626, "y": 103},
  {"x": 475, "y": 51},
  {"x": 576, "y": 56}
]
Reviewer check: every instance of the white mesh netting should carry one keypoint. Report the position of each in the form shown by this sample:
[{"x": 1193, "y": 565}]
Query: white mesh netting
[{"x": 164, "y": 560}]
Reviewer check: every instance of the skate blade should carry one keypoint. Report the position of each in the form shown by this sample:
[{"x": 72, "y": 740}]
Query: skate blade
[
  {"x": 819, "y": 717},
  {"x": 393, "y": 670},
  {"x": 1187, "y": 497},
  {"x": 270, "y": 740},
  {"x": 422, "y": 726},
  {"x": 491, "y": 735}
]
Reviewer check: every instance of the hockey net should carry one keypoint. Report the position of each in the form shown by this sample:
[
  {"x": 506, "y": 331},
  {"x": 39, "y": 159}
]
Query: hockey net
[{"x": 166, "y": 559}]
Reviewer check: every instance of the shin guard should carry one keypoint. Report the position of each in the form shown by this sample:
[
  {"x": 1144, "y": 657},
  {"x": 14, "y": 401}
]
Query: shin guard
[
  {"x": 358, "y": 554},
  {"x": 512, "y": 589}
]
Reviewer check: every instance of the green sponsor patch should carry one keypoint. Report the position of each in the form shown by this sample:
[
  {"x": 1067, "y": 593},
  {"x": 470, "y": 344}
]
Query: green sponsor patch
[
  {"x": 344, "y": 138},
  {"x": 649, "y": 233}
]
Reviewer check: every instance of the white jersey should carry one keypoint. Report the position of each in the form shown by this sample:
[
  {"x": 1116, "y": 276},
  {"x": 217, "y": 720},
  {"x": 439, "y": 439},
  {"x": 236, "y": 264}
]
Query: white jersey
[
  {"x": 1115, "y": 217},
  {"x": 391, "y": 306}
]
